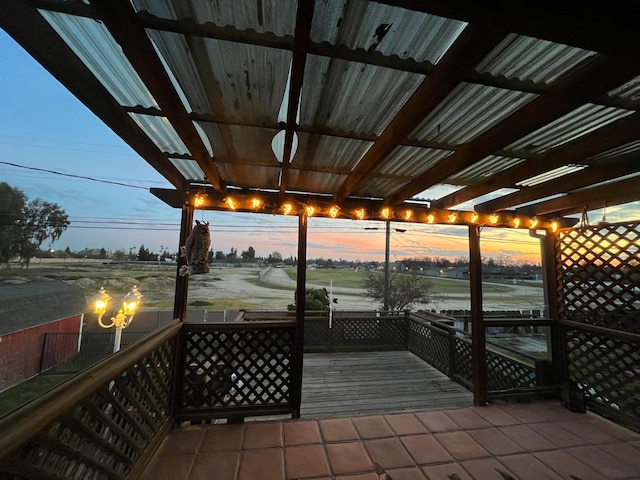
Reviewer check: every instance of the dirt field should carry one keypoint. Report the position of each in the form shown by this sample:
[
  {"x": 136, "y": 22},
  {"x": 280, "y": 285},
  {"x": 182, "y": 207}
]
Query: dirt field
[{"x": 240, "y": 287}]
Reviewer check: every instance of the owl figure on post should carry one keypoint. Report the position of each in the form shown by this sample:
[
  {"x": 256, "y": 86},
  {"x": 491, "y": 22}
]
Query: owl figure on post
[{"x": 196, "y": 250}]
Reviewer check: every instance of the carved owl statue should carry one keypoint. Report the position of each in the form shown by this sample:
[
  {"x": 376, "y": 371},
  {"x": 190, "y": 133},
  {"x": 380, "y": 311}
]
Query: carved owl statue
[{"x": 196, "y": 249}]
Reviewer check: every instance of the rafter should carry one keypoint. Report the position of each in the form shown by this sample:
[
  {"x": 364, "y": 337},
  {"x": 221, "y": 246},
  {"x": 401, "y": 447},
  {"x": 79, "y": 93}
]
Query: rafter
[
  {"x": 600, "y": 76},
  {"x": 581, "y": 179},
  {"x": 614, "y": 193},
  {"x": 470, "y": 47},
  {"x": 610, "y": 136},
  {"x": 119, "y": 17}
]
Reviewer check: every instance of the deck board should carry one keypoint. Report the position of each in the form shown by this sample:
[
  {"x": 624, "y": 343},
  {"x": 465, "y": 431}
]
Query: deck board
[{"x": 361, "y": 383}]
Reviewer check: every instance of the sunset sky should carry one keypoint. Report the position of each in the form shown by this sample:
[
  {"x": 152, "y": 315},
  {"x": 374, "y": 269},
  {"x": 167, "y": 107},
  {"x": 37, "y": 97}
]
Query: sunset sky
[{"x": 54, "y": 148}]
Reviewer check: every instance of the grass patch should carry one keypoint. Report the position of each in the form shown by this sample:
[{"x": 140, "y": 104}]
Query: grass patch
[{"x": 21, "y": 394}]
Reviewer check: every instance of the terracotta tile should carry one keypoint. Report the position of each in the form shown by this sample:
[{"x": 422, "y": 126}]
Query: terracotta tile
[
  {"x": 446, "y": 472},
  {"x": 348, "y": 458},
  {"x": 606, "y": 426},
  {"x": 182, "y": 441},
  {"x": 405, "y": 424},
  {"x": 559, "y": 436},
  {"x": 460, "y": 445},
  {"x": 587, "y": 431},
  {"x": 495, "y": 442},
  {"x": 437, "y": 422},
  {"x": 425, "y": 449},
  {"x": 526, "y": 467},
  {"x": 262, "y": 435},
  {"x": 467, "y": 419},
  {"x": 412, "y": 473},
  {"x": 362, "y": 476},
  {"x": 496, "y": 416},
  {"x": 306, "y": 461},
  {"x": 169, "y": 468},
  {"x": 609, "y": 466},
  {"x": 486, "y": 469},
  {"x": 525, "y": 412},
  {"x": 552, "y": 410},
  {"x": 265, "y": 464},
  {"x": 222, "y": 438},
  {"x": 524, "y": 436},
  {"x": 567, "y": 466},
  {"x": 388, "y": 453},
  {"x": 301, "y": 433},
  {"x": 338, "y": 430},
  {"x": 624, "y": 452},
  {"x": 372, "y": 427},
  {"x": 224, "y": 464}
]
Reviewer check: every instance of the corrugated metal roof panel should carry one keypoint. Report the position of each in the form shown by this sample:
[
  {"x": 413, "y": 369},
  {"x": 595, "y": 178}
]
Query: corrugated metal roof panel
[
  {"x": 250, "y": 80},
  {"x": 479, "y": 171},
  {"x": 246, "y": 144},
  {"x": 389, "y": 30},
  {"x": 249, "y": 176},
  {"x": 411, "y": 161},
  {"x": 189, "y": 169},
  {"x": 313, "y": 182},
  {"x": 531, "y": 59},
  {"x": 160, "y": 130},
  {"x": 576, "y": 124},
  {"x": 467, "y": 112},
  {"x": 622, "y": 150},
  {"x": 95, "y": 46},
  {"x": 336, "y": 154},
  {"x": 261, "y": 15},
  {"x": 550, "y": 175},
  {"x": 351, "y": 96},
  {"x": 379, "y": 187},
  {"x": 628, "y": 91}
]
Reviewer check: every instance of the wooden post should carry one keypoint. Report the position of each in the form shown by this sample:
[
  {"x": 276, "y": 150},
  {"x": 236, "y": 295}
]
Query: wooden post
[
  {"x": 387, "y": 279},
  {"x": 478, "y": 345},
  {"x": 556, "y": 342},
  {"x": 298, "y": 347},
  {"x": 182, "y": 282}
]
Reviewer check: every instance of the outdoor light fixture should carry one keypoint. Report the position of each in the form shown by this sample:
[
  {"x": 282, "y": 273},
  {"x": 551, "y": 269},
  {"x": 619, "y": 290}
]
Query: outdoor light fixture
[
  {"x": 198, "y": 200},
  {"x": 123, "y": 318},
  {"x": 360, "y": 213}
]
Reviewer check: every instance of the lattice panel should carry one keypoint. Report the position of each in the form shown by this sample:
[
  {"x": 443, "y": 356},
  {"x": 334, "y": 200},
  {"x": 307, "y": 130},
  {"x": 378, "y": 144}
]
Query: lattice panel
[
  {"x": 237, "y": 368},
  {"x": 607, "y": 370},
  {"x": 316, "y": 334},
  {"x": 462, "y": 369},
  {"x": 504, "y": 373},
  {"x": 430, "y": 344},
  {"x": 598, "y": 275},
  {"x": 379, "y": 331},
  {"x": 105, "y": 434}
]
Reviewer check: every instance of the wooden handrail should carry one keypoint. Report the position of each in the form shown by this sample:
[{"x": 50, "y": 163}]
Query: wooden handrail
[
  {"x": 610, "y": 332},
  {"x": 21, "y": 425}
]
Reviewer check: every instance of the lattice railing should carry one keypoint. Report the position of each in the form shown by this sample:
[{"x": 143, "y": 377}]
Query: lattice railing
[
  {"x": 598, "y": 275},
  {"x": 239, "y": 368},
  {"x": 103, "y": 423}
]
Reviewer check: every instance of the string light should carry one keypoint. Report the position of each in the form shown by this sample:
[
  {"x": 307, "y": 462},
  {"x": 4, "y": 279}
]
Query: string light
[
  {"x": 256, "y": 203},
  {"x": 474, "y": 217},
  {"x": 385, "y": 212},
  {"x": 230, "y": 203},
  {"x": 493, "y": 219},
  {"x": 431, "y": 218},
  {"x": 360, "y": 213},
  {"x": 310, "y": 210},
  {"x": 334, "y": 211},
  {"x": 452, "y": 217},
  {"x": 198, "y": 200},
  {"x": 287, "y": 208},
  {"x": 408, "y": 214},
  {"x": 533, "y": 223},
  {"x": 516, "y": 222},
  {"x": 554, "y": 227}
]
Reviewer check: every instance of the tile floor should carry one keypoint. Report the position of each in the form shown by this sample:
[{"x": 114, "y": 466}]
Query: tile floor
[{"x": 534, "y": 441}]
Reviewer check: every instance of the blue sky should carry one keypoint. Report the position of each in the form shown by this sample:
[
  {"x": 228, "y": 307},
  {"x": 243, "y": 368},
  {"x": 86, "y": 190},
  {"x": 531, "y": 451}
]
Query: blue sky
[{"x": 42, "y": 126}]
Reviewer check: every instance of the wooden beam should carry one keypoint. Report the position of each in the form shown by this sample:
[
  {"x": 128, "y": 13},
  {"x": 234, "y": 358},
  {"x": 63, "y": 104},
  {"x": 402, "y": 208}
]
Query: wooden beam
[
  {"x": 470, "y": 47},
  {"x": 298, "y": 348},
  {"x": 304, "y": 18},
  {"x": 182, "y": 281},
  {"x": 20, "y": 20},
  {"x": 119, "y": 17},
  {"x": 569, "y": 93},
  {"x": 610, "y": 194},
  {"x": 588, "y": 176},
  {"x": 478, "y": 334},
  {"x": 608, "y": 137}
]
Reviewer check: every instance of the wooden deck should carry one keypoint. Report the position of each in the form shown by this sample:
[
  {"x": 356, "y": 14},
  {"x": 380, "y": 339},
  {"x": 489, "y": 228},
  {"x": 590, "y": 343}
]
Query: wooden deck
[{"x": 348, "y": 384}]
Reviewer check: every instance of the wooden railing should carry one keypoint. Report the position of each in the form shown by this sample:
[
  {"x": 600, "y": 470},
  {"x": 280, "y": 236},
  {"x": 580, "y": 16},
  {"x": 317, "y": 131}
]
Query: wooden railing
[{"x": 103, "y": 423}]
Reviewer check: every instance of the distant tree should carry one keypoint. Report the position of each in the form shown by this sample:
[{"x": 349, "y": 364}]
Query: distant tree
[
  {"x": 249, "y": 254},
  {"x": 220, "y": 255},
  {"x": 25, "y": 226},
  {"x": 103, "y": 254},
  {"x": 67, "y": 252},
  {"x": 233, "y": 254},
  {"x": 405, "y": 290},
  {"x": 119, "y": 255},
  {"x": 144, "y": 255},
  {"x": 314, "y": 299},
  {"x": 274, "y": 258}
]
